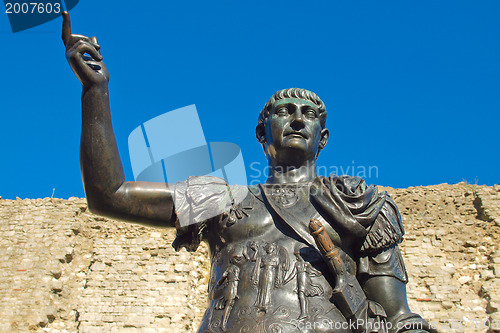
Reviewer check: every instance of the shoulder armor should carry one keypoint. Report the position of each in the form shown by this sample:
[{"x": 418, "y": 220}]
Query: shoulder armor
[{"x": 387, "y": 229}]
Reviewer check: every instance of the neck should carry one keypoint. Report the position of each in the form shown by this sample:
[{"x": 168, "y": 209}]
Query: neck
[{"x": 282, "y": 174}]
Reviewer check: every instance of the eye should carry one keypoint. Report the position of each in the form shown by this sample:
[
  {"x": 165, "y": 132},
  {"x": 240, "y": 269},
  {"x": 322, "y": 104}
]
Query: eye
[
  {"x": 282, "y": 111},
  {"x": 310, "y": 113}
]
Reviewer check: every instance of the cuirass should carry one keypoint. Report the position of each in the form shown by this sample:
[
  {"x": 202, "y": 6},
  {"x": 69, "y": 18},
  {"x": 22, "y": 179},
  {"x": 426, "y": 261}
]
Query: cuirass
[{"x": 265, "y": 276}]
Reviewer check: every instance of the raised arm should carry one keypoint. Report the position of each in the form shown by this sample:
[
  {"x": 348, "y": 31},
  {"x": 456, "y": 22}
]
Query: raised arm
[{"x": 105, "y": 188}]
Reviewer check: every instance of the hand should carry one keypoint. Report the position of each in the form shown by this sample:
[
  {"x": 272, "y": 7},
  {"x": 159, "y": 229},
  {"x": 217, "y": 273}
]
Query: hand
[
  {"x": 252, "y": 245},
  {"x": 90, "y": 70}
]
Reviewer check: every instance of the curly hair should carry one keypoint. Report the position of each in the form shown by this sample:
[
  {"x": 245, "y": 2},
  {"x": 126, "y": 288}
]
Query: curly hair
[{"x": 294, "y": 93}]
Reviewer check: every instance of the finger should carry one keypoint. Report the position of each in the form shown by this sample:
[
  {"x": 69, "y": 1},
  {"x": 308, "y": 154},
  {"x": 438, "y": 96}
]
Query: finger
[
  {"x": 74, "y": 39},
  {"x": 94, "y": 65},
  {"x": 82, "y": 47},
  {"x": 66, "y": 28},
  {"x": 95, "y": 43},
  {"x": 80, "y": 62}
]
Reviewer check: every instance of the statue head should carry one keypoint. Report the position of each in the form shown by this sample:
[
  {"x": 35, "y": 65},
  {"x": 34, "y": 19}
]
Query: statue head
[
  {"x": 270, "y": 247},
  {"x": 292, "y": 126},
  {"x": 292, "y": 93},
  {"x": 296, "y": 251}
]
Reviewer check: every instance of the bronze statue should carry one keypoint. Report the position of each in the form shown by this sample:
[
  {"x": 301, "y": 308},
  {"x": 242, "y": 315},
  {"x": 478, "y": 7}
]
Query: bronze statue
[{"x": 300, "y": 253}]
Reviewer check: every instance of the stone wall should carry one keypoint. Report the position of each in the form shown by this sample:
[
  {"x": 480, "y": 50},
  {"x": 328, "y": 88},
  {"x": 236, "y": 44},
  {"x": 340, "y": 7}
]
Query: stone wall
[
  {"x": 452, "y": 254},
  {"x": 66, "y": 270}
]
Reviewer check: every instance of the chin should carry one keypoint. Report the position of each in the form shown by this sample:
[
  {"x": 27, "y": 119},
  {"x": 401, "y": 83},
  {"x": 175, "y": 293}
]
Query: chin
[
  {"x": 297, "y": 149},
  {"x": 295, "y": 144}
]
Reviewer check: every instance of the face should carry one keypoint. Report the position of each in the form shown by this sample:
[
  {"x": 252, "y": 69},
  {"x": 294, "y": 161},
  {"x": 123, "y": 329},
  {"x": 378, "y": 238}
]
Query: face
[
  {"x": 270, "y": 248},
  {"x": 293, "y": 131}
]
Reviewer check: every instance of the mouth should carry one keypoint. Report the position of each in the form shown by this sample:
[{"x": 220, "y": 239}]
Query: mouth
[{"x": 296, "y": 135}]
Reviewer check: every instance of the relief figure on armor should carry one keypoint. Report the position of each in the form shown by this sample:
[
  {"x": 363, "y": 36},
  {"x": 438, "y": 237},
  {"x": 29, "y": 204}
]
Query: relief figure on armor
[
  {"x": 303, "y": 273},
  {"x": 268, "y": 273},
  {"x": 357, "y": 272},
  {"x": 230, "y": 278},
  {"x": 252, "y": 246}
]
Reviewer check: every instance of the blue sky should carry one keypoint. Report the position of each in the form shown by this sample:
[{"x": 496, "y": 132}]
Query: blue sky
[{"x": 411, "y": 87}]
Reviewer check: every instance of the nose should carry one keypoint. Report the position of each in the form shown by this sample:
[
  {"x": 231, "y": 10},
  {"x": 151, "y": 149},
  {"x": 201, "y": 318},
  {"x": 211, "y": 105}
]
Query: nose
[{"x": 298, "y": 120}]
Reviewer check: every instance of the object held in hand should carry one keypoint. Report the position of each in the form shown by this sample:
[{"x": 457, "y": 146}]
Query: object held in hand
[{"x": 347, "y": 293}]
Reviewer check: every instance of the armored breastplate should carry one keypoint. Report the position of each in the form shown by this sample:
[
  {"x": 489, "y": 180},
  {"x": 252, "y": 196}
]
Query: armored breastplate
[{"x": 266, "y": 275}]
